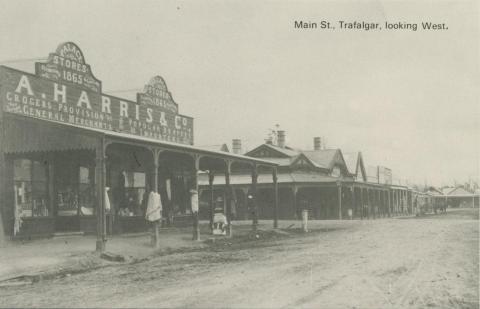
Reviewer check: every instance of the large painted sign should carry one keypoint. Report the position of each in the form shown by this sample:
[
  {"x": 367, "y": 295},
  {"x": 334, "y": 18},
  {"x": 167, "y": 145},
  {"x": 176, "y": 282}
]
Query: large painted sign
[
  {"x": 34, "y": 96},
  {"x": 156, "y": 94},
  {"x": 67, "y": 65}
]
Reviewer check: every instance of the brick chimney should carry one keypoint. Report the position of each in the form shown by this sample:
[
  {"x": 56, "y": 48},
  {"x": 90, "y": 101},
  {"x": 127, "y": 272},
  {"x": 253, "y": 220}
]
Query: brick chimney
[
  {"x": 317, "y": 143},
  {"x": 237, "y": 146},
  {"x": 281, "y": 139}
]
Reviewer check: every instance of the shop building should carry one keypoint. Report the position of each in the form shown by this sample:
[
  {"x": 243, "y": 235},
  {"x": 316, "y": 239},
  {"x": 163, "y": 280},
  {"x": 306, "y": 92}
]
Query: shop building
[
  {"x": 320, "y": 180},
  {"x": 460, "y": 197},
  {"x": 74, "y": 159}
]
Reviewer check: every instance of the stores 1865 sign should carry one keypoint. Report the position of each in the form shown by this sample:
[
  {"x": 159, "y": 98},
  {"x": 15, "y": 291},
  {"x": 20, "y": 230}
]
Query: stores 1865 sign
[
  {"x": 68, "y": 65},
  {"x": 50, "y": 97}
]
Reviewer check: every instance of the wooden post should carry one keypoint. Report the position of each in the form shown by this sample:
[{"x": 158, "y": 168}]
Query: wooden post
[
  {"x": 385, "y": 204},
  {"x": 397, "y": 208},
  {"x": 294, "y": 192},
  {"x": 211, "y": 177},
  {"x": 394, "y": 210},
  {"x": 377, "y": 203},
  {"x": 275, "y": 198},
  {"x": 339, "y": 189},
  {"x": 228, "y": 194},
  {"x": 361, "y": 204},
  {"x": 254, "y": 199},
  {"x": 3, "y": 189},
  {"x": 196, "y": 225},
  {"x": 100, "y": 189},
  {"x": 354, "y": 202},
  {"x": 156, "y": 224}
]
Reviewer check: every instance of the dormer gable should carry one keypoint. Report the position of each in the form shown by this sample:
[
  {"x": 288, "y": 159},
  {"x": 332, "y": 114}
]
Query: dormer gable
[
  {"x": 302, "y": 162},
  {"x": 360, "y": 172},
  {"x": 270, "y": 151}
]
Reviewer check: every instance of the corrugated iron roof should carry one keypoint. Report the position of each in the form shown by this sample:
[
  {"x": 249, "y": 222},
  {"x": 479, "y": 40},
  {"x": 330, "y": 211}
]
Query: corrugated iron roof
[
  {"x": 351, "y": 159},
  {"x": 244, "y": 179},
  {"x": 459, "y": 191},
  {"x": 322, "y": 158},
  {"x": 281, "y": 161},
  {"x": 285, "y": 150},
  {"x": 219, "y": 147},
  {"x": 165, "y": 144}
]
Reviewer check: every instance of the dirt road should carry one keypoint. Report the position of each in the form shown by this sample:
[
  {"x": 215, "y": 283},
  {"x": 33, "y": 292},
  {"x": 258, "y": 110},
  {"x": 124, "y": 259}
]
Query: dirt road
[{"x": 431, "y": 262}]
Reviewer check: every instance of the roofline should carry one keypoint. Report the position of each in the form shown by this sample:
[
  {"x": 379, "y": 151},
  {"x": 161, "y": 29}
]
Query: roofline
[
  {"x": 169, "y": 145},
  {"x": 272, "y": 147},
  {"x": 183, "y": 147}
]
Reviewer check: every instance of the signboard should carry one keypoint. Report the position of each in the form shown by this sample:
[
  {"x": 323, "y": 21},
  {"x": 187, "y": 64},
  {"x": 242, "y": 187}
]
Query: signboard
[
  {"x": 156, "y": 94},
  {"x": 67, "y": 65},
  {"x": 34, "y": 96}
]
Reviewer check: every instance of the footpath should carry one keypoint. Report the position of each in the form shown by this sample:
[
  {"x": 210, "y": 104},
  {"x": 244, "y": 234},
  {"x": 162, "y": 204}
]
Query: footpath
[
  {"x": 24, "y": 262},
  {"x": 31, "y": 261}
]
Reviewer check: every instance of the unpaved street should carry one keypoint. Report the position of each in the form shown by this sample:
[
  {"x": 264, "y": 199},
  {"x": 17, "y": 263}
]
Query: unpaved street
[{"x": 432, "y": 262}]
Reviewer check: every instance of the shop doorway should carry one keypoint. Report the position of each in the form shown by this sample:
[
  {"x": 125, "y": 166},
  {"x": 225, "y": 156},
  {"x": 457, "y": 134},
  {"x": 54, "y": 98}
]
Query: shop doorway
[{"x": 73, "y": 191}]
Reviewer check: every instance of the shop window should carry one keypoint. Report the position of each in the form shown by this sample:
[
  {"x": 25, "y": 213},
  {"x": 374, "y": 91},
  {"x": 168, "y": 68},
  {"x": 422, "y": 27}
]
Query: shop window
[
  {"x": 31, "y": 188},
  {"x": 134, "y": 201},
  {"x": 86, "y": 191},
  {"x": 75, "y": 191}
]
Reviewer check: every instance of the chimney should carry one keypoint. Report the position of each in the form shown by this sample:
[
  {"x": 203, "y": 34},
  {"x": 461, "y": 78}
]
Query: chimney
[
  {"x": 269, "y": 140},
  {"x": 237, "y": 146},
  {"x": 317, "y": 143},
  {"x": 281, "y": 139}
]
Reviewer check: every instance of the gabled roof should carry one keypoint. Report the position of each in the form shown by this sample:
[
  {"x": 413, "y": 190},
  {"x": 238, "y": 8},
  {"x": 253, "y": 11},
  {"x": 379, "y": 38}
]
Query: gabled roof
[
  {"x": 434, "y": 191},
  {"x": 361, "y": 167},
  {"x": 281, "y": 152},
  {"x": 323, "y": 158},
  {"x": 355, "y": 165},
  {"x": 447, "y": 190},
  {"x": 459, "y": 191},
  {"x": 351, "y": 159},
  {"x": 303, "y": 160}
]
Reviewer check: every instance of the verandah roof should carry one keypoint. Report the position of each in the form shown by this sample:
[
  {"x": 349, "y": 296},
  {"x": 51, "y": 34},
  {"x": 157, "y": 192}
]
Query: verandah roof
[{"x": 143, "y": 141}]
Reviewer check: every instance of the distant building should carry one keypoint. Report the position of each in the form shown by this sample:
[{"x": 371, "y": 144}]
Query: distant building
[{"x": 323, "y": 181}]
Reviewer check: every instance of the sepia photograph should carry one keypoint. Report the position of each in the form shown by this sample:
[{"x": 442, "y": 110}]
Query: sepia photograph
[{"x": 239, "y": 154}]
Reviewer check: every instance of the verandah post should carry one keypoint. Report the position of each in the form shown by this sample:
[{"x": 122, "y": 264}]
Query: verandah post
[
  {"x": 211, "y": 177},
  {"x": 156, "y": 224},
  {"x": 100, "y": 189},
  {"x": 228, "y": 193},
  {"x": 196, "y": 225},
  {"x": 254, "y": 197}
]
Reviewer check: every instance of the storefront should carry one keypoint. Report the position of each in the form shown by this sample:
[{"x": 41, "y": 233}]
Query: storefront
[
  {"x": 318, "y": 180},
  {"x": 74, "y": 159}
]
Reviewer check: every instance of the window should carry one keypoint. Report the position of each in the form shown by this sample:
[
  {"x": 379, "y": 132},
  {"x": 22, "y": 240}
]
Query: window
[
  {"x": 135, "y": 188},
  {"x": 31, "y": 188},
  {"x": 75, "y": 190},
  {"x": 336, "y": 172},
  {"x": 86, "y": 189}
]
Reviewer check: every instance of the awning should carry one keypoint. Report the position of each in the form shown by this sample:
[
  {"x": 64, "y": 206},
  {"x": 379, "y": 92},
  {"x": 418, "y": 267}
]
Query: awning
[{"x": 66, "y": 140}]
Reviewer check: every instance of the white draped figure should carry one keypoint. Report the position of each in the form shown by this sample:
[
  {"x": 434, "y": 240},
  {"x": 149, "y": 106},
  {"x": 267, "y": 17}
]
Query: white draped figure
[{"x": 154, "y": 207}]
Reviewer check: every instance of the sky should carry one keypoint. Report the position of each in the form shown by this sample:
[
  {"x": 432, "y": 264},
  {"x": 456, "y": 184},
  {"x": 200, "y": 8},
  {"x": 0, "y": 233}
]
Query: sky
[{"x": 408, "y": 100}]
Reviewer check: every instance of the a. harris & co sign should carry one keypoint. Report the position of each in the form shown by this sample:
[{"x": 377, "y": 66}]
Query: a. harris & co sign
[{"x": 78, "y": 100}]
